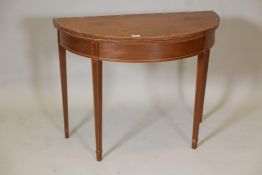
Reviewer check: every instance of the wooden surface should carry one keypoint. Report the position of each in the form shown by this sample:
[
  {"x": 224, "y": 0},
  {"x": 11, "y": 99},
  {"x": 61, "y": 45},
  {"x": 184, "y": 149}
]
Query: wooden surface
[
  {"x": 160, "y": 26},
  {"x": 137, "y": 38}
]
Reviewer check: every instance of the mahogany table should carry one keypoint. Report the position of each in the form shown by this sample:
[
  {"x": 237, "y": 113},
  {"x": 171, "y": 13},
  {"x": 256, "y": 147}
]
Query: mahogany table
[{"x": 136, "y": 38}]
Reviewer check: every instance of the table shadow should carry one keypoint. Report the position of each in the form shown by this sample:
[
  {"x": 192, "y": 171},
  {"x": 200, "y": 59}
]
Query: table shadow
[{"x": 42, "y": 46}]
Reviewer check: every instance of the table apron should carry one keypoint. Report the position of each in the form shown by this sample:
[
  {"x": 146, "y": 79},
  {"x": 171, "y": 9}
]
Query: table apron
[{"x": 136, "y": 51}]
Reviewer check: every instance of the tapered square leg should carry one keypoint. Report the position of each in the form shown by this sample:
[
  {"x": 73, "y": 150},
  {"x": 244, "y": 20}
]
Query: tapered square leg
[
  {"x": 202, "y": 67},
  {"x": 97, "y": 92},
  {"x": 62, "y": 61}
]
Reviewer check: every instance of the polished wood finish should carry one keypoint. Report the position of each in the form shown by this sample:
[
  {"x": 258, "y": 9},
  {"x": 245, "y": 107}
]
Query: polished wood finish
[
  {"x": 97, "y": 93},
  {"x": 137, "y": 38},
  {"x": 150, "y": 52},
  {"x": 62, "y": 60},
  {"x": 97, "y": 89},
  {"x": 151, "y": 27},
  {"x": 202, "y": 66},
  {"x": 77, "y": 45}
]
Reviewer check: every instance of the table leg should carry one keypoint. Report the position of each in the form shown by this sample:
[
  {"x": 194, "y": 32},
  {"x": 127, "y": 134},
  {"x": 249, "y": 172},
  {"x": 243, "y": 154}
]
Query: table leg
[
  {"x": 97, "y": 93},
  {"x": 202, "y": 67},
  {"x": 62, "y": 60}
]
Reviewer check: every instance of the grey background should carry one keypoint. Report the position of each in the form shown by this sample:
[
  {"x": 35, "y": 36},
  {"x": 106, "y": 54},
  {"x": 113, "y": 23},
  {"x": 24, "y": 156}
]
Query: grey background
[{"x": 140, "y": 95}]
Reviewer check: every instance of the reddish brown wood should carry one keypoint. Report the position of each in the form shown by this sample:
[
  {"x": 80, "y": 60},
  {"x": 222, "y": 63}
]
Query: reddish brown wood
[
  {"x": 62, "y": 61},
  {"x": 97, "y": 91},
  {"x": 158, "y": 37},
  {"x": 150, "y": 51},
  {"x": 138, "y": 51},
  {"x": 202, "y": 66},
  {"x": 151, "y": 27},
  {"x": 74, "y": 44}
]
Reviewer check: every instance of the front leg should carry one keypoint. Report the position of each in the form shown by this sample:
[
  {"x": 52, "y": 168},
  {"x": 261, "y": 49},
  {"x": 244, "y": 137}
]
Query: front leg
[
  {"x": 62, "y": 61},
  {"x": 202, "y": 67},
  {"x": 97, "y": 92}
]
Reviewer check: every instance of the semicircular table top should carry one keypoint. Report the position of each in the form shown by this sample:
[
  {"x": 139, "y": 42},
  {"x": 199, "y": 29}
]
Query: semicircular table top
[{"x": 158, "y": 26}]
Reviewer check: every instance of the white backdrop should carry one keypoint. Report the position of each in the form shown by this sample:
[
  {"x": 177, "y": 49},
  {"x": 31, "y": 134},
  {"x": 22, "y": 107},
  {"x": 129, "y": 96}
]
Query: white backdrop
[{"x": 29, "y": 70}]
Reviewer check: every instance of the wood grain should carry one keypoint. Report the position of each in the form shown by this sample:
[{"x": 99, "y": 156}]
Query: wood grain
[
  {"x": 202, "y": 66},
  {"x": 97, "y": 91},
  {"x": 62, "y": 61},
  {"x": 158, "y": 26}
]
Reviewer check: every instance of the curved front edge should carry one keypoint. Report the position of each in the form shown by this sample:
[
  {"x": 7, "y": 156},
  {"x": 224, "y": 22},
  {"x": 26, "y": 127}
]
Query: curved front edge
[
  {"x": 154, "y": 51},
  {"x": 75, "y": 44},
  {"x": 136, "y": 51}
]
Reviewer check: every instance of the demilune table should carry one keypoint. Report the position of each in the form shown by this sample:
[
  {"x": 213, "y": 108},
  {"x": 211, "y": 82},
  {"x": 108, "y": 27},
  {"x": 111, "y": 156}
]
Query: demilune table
[{"x": 136, "y": 38}]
